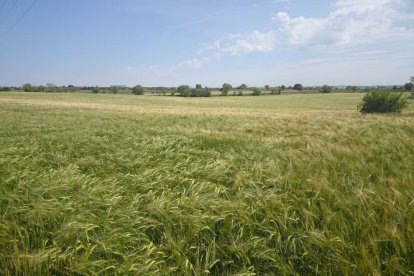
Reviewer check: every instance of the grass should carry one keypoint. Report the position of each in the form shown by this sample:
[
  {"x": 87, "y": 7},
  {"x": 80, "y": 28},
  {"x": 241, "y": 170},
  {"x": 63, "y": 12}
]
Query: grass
[{"x": 120, "y": 184}]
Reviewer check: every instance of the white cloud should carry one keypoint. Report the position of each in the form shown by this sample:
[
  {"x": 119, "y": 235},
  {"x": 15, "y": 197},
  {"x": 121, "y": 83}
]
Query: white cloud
[
  {"x": 195, "y": 63},
  {"x": 236, "y": 44},
  {"x": 350, "y": 22}
]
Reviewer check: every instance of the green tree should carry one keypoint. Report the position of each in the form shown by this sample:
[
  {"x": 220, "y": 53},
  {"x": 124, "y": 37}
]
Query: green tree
[
  {"x": 351, "y": 88},
  {"x": 256, "y": 92},
  {"x": 184, "y": 90},
  {"x": 225, "y": 89},
  {"x": 276, "y": 91},
  {"x": 242, "y": 86},
  {"x": 409, "y": 86},
  {"x": 95, "y": 90},
  {"x": 326, "y": 89},
  {"x": 198, "y": 86},
  {"x": 298, "y": 86},
  {"x": 27, "y": 87},
  {"x": 114, "y": 89},
  {"x": 51, "y": 87},
  {"x": 138, "y": 90}
]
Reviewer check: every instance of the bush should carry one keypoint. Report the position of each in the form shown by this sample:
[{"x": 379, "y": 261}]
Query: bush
[
  {"x": 256, "y": 92},
  {"x": 138, "y": 90},
  {"x": 326, "y": 89},
  {"x": 298, "y": 86},
  {"x": 200, "y": 92},
  {"x": 409, "y": 86},
  {"x": 114, "y": 90},
  {"x": 184, "y": 90},
  {"x": 276, "y": 91},
  {"x": 382, "y": 102},
  {"x": 226, "y": 89}
]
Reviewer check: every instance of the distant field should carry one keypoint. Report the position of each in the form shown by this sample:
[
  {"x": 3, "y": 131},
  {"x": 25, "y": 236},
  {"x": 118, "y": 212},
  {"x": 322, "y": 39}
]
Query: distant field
[{"x": 122, "y": 184}]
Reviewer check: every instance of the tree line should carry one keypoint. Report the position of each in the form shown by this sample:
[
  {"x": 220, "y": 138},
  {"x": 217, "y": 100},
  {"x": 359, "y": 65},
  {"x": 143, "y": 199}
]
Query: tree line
[{"x": 199, "y": 91}]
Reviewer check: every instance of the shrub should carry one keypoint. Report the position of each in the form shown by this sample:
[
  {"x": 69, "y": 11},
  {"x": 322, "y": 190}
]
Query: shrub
[
  {"x": 409, "y": 86},
  {"x": 382, "y": 101},
  {"x": 256, "y": 92},
  {"x": 298, "y": 86},
  {"x": 276, "y": 91},
  {"x": 200, "y": 92},
  {"x": 138, "y": 90},
  {"x": 27, "y": 87},
  {"x": 114, "y": 90},
  {"x": 184, "y": 90},
  {"x": 326, "y": 89},
  {"x": 225, "y": 90}
]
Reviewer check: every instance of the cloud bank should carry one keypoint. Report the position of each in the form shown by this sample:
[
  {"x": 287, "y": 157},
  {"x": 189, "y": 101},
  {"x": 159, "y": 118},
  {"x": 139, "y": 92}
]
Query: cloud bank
[{"x": 349, "y": 22}]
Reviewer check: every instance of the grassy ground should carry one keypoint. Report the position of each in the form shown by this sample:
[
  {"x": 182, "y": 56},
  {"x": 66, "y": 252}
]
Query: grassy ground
[{"x": 296, "y": 184}]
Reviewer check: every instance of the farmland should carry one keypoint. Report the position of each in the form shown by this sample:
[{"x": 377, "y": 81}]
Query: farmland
[{"x": 123, "y": 184}]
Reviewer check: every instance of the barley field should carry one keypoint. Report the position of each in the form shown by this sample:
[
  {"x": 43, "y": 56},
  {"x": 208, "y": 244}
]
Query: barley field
[{"x": 152, "y": 185}]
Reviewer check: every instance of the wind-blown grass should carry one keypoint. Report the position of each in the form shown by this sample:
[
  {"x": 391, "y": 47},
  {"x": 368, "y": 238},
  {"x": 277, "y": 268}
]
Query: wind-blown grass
[{"x": 298, "y": 184}]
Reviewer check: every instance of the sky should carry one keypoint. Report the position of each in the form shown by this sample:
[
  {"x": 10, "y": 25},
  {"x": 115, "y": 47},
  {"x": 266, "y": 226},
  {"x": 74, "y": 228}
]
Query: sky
[{"x": 209, "y": 42}]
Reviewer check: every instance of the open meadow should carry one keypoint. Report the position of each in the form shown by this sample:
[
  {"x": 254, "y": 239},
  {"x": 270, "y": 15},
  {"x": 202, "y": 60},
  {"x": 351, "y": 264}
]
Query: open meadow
[{"x": 141, "y": 185}]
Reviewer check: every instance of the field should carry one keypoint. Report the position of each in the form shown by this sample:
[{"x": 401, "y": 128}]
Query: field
[{"x": 122, "y": 184}]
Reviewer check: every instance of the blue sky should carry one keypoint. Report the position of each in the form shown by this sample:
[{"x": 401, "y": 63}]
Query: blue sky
[{"x": 168, "y": 43}]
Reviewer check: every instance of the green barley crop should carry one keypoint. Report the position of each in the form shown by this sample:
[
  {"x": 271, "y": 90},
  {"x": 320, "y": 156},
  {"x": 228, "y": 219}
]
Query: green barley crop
[{"x": 116, "y": 184}]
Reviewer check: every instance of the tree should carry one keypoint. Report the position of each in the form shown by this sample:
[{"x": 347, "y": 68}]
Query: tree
[
  {"x": 198, "y": 86},
  {"x": 409, "y": 86},
  {"x": 267, "y": 87},
  {"x": 412, "y": 92},
  {"x": 226, "y": 88},
  {"x": 114, "y": 89},
  {"x": 298, "y": 86},
  {"x": 256, "y": 92},
  {"x": 184, "y": 90},
  {"x": 242, "y": 86},
  {"x": 95, "y": 90},
  {"x": 276, "y": 91},
  {"x": 51, "y": 87},
  {"x": 200, "y": 92},
  {"x": 351, "y": 88},
  {"x": 27, "y": 87},
  {"x": 326, "y": 89},
  {"x": 5, "y": 88},
  {"x": 138, "y": 90}
]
